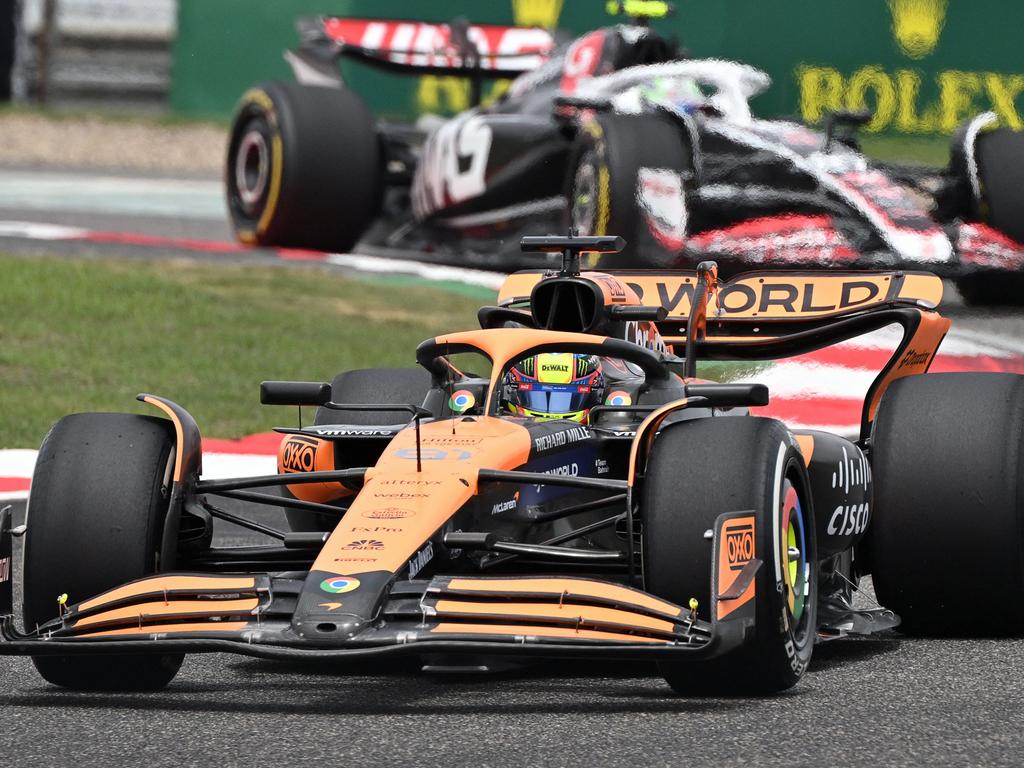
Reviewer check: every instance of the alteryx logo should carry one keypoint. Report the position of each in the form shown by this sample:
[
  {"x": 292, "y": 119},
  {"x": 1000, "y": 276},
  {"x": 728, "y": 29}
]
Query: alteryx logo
[{"x": 433, "y": 454}]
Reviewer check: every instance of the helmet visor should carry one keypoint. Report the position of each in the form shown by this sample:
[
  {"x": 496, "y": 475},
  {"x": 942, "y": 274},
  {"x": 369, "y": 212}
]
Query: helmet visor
[{"x": 553, "y": 398}]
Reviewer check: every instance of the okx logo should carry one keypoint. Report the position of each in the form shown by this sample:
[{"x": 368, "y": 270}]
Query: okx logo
[
  {"x": 739, "y": 545},
  {"x": 298, "y": 454}
]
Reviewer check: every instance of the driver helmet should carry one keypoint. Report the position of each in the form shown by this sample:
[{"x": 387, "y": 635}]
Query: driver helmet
[
  {"x": 683, "y": 92},
  {"x": 554, "y": 385}
]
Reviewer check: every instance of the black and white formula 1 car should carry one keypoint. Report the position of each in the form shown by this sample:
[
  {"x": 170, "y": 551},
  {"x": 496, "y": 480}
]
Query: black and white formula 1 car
[{"x": 615, "y": 132}]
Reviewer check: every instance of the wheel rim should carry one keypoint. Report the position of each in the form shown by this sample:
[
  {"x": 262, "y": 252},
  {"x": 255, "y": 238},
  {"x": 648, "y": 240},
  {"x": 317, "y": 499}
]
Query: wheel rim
[
  {"x": 252, "y": 169},
  {"x": 796, "y": 569},
  {"x": 584, "y": 198}
]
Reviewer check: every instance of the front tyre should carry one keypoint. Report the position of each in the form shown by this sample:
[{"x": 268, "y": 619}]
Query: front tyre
[
  {"x": 95, "y": 520},
  {"x": 304, "y": 167},
  {"x": 697, "y": 471},
  {"x": 993, "y": 181},
  {"x": 629, "y": 175}
]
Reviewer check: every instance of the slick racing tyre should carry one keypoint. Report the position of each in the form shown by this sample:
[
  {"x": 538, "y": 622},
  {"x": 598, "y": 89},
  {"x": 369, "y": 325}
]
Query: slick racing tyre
[
  {"x": 999, "y": 161},
  {"x": 369, "y": 385},
  {"x": 629, "y": 175},
  {"x": 1000, "y": 158},
  {"x": 95, "y": 519},
  {"x": 945, "y": 541},
  {"x": 304, "y": 167},
  {"x": 704, "y": 468}
]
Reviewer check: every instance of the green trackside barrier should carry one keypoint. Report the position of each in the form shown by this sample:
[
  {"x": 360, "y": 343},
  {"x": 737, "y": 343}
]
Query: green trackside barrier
[{"x": 922, "y": 66}]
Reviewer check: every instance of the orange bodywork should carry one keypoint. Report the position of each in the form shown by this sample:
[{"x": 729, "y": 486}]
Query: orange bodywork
[
  {"x": 806, "y": 443},
  {"x": 304, "y": 453},
  {"x": 565, "y": 588},
  {"x": 157, "y": 585},
  {"x": 561, "y": 613},
  {"x": 399, "y": 508},
  {"x": 143, "y": 612},
  {"x": 920, "y": 351},
  {"x": 179, "y": 439}
]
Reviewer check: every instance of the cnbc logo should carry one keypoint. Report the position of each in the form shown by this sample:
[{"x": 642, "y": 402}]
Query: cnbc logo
[{"x": 926, "y": 94}]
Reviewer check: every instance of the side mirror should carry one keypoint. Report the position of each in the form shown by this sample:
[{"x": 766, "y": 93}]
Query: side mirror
[{"x": 295, "y": 393}]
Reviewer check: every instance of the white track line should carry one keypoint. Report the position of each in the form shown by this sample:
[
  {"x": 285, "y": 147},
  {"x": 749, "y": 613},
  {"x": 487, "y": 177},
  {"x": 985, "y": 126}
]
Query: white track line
[
  {"x": 433, "y": 272},
  {"x": 31, "y": 230}
]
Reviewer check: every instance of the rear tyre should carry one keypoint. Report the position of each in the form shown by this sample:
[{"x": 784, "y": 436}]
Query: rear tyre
[
  {"x": 628, "y": 176},
  {"x": 368, "y": 385},
  {"x": 697, "y": 471},
  {"x": 946, "y": 535},
  {"x": 304, "y": 167},
  {"x": 95, "y": 520}
]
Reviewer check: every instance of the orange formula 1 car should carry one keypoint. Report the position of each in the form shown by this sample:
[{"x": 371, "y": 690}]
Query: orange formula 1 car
[{"x": 564, "y": 487}]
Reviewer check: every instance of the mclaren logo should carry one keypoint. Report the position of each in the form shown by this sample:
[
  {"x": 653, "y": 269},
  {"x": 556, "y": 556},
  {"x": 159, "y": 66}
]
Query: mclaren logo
[
  {"x": 917, "y": 25},
  {"x": 537, "y": 13}
]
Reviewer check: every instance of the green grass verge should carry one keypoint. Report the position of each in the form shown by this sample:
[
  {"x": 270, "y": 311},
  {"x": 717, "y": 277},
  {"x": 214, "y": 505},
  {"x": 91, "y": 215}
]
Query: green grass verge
[
  {"x": 79, "y": 335},
  {"x": 914, "y": 150},
  {"x": 86, "y": 335}
]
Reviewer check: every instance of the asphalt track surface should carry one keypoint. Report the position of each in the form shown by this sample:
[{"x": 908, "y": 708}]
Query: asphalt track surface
[{"x": 883, "y": 701}]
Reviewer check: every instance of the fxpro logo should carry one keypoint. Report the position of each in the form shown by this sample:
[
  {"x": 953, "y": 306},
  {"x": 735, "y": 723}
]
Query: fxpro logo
[{"x": 911, "y": 100}]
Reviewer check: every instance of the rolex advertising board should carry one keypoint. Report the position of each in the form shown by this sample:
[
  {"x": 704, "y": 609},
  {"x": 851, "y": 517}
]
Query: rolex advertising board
[{"x": 921, "y": 66}]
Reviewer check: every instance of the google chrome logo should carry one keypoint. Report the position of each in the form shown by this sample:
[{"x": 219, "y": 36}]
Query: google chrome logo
[
  {"x": 461, "y": 401},
  {"x": 336, "y": 585},
  {"x": 618, "y": 398}
]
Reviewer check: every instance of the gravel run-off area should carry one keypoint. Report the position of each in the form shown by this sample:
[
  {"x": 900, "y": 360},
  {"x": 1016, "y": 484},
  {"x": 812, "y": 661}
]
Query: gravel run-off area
[{"x": 90, "y": 142}]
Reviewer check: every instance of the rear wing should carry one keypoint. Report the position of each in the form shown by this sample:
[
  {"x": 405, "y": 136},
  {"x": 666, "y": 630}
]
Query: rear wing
[
  {"x": 755, "y": 316},
  {"x": 753, "y": 307},
  {"x": 415, "y": 47}
]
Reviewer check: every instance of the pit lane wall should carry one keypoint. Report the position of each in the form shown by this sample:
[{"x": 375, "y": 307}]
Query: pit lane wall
[{"x": 922, "y": 66}]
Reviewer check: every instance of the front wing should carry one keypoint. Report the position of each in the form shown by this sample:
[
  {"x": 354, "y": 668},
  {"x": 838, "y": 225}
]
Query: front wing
[
  {"x": 260, "y": 614},
  {"x": 521, "y": 615},
  {"x": 251, "y": 614}
]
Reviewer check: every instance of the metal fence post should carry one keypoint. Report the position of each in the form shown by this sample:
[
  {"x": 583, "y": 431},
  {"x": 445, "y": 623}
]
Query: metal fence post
[
  {"x": 8, "y": 13},
  {"x": 46, "y": 44}
]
